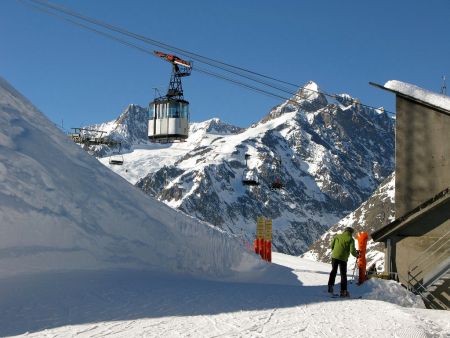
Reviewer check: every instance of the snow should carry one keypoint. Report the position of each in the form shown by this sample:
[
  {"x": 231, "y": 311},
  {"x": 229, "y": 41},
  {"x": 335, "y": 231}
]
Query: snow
[
  {"x": 147, "y": 158},
  {"x": 144, "y": 304},
  {"x": 438, "y": 100},
  {"x": 61, "y": 210},
  {"x": 84, "y": 253}
]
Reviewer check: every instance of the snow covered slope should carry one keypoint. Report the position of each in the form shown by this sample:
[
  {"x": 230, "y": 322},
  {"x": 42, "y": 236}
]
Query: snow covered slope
[
  {"x": 376, "y": 212},
  {"x": 333, "y": 156},
  {"x": 60, "y": 209},
  {"x": 149, "y": 305},
  {"x": 144, "y": 157}
]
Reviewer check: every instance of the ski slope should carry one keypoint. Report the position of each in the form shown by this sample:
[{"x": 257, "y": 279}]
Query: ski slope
[{"x": 144, "y": 304}]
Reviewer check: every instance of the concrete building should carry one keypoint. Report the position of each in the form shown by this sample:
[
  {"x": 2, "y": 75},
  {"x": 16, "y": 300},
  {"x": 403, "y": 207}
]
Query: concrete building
[{"x": 417, "y": 242}]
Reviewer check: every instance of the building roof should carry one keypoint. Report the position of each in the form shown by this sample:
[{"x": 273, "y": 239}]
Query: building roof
[
  {"x": 437, "y": 101},
  {"x": 401, "y": 222}
]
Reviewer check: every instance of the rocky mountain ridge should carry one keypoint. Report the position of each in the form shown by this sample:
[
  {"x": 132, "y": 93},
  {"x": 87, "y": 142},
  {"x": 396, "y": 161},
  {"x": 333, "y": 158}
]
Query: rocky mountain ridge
[
  {"x": 373, "y": 214},
  {"x": 330, "y": 156}
]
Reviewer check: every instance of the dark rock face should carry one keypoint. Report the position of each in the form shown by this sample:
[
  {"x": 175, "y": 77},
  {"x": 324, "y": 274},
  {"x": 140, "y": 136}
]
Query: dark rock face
[{"x": 373, "y": 214}]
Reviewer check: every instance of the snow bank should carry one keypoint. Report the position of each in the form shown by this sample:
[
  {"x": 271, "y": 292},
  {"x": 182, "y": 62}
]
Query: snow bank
[
  {"x": 390, "y": 291},
  {"x": 312, "y": 273},
  {"x": 438, "y": 100},
  {"x": 60, "y": 209}
]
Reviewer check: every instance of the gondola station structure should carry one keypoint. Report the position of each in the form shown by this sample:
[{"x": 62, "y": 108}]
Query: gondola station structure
[{"x": 169, "y": 114}]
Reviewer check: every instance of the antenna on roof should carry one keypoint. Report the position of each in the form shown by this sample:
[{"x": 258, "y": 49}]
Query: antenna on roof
[{"x": 444, "y": 86}]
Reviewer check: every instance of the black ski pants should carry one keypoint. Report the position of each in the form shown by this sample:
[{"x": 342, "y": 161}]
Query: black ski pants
[{"x": 343, "y": 271}]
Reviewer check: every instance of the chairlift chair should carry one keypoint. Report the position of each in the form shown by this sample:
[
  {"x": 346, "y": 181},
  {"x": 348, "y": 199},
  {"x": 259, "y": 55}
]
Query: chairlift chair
[
  {"x": 276, "y": 184},
  {"x": 276, "y": 167},
  {"x": 250, "y": 178},
  {"x": 116, "y": 159}
]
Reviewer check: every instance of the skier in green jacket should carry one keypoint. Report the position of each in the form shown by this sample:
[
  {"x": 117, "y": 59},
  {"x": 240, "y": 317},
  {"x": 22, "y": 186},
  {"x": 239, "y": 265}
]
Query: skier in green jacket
[{"x": 342, "y": 246}]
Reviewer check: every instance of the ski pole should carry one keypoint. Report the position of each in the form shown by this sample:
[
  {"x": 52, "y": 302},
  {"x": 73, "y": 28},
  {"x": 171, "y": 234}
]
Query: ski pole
[{"x": 354, "y": 268}]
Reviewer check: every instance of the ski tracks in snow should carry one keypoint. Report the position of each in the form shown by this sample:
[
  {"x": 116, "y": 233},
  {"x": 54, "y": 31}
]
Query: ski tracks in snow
[
  {"x": 346, "y": 318},
  {"x": 157, "y": 305}
]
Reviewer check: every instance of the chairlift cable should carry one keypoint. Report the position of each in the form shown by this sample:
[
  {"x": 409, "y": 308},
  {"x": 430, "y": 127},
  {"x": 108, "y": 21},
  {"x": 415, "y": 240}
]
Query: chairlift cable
[
  {"x": 132, "y": 45},
  {"x": 155, "y": 42},
  {"x": 192, "y": 55}
]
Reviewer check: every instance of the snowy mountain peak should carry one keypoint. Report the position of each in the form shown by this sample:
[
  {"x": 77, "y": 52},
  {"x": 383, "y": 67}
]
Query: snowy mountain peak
[
  {"x": 309, "y": 91},
  {"x": 346, "y": 100},
  {"x": 215, "y": 126},
  {"x": 129, "y": 129},
  {"x": 129, "y": 114},
  {"x": 307, "y": 98}
]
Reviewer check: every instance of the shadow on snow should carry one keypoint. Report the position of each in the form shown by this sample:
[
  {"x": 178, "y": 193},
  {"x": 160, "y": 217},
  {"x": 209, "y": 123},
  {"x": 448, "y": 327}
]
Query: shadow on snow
[{"x": 35, "y": 303}]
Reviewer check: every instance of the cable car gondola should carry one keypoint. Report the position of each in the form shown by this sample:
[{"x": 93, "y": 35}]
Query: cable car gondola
[
  {"x": 169, "y": 114},
  {"x": 249, "y": 176}
]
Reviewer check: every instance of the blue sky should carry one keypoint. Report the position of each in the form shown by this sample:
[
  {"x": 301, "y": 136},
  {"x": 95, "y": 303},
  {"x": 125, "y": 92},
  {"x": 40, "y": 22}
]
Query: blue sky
[{"x": 81, "y": 78}]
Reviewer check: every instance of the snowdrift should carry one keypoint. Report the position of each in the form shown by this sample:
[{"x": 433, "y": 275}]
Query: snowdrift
[{"x": 60, "y": 209}]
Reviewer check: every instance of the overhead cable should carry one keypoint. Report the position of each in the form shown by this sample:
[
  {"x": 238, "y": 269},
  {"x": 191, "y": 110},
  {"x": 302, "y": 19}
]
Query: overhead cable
[{"x": 53, "y": 9}]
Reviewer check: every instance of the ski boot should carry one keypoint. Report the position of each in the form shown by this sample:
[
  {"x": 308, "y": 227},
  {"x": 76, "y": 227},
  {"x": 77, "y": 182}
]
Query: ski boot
[
  {"x": 344, "y": 294},
  {"x": 330, "y": 289}
]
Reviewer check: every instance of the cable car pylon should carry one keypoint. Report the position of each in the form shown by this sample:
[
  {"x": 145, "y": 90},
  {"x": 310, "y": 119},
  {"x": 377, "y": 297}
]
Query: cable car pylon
[{"x": 169, "y": 114}]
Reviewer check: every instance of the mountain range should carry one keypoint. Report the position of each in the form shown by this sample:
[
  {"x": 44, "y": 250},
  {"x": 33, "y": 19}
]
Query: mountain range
[{"x": 330, "y": 156}]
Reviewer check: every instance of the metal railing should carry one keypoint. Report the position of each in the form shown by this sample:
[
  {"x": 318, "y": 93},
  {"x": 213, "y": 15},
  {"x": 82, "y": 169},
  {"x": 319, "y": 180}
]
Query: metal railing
[
  {"x": 418, "y": 271},
  {"x": 422, "y": 290}
]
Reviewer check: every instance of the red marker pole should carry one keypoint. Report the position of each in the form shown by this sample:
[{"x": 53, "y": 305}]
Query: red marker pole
[
  {"x": 263, "y": 247},
  {"x": 259, "y": 235},
  {"x": 362, "y": 238},
  {"x": 268, "y": 240},
  {"x": 269, "y": 251}
]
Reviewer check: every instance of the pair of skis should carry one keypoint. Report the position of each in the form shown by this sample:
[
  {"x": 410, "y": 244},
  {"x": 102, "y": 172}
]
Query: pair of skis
[{"x": 335, "y": 295}]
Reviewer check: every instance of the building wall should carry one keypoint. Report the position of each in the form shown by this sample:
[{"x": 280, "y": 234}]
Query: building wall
[
  {"x": 423, "y": 246},
  {"x": 422, "y": 154}
]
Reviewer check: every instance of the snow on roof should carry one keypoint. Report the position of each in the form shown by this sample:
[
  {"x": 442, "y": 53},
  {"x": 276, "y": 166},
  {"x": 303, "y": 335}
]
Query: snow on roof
[{"x": 435, "y": 99}]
